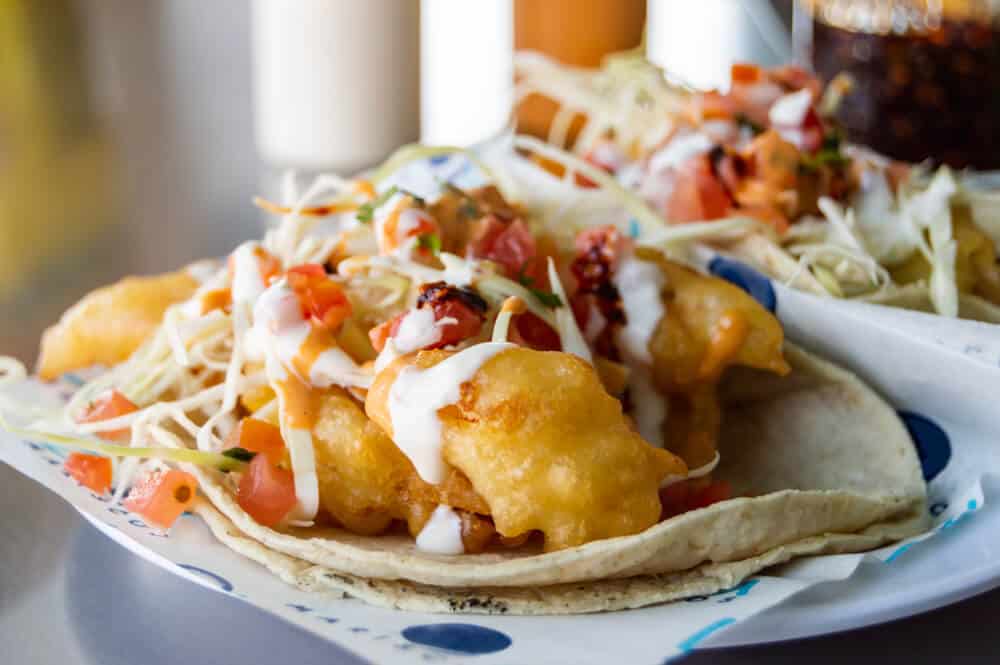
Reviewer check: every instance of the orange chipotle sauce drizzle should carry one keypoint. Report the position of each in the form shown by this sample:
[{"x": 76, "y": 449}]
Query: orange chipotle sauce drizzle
[
  {"x": 296, "y": 394},
  {"x": 728, "y": 335}
]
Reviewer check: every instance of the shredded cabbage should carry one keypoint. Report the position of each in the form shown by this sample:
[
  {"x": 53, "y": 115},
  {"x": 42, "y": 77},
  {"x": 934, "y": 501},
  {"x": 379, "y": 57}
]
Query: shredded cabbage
[{"x": 569, "y": 332}]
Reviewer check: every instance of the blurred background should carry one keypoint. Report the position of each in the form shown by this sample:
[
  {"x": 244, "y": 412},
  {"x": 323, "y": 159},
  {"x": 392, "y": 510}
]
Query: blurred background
[{"x": 134, "y": 134}]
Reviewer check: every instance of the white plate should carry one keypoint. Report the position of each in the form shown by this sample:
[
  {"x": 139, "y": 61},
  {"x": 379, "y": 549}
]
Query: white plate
[{"x": 964, "y": 562}]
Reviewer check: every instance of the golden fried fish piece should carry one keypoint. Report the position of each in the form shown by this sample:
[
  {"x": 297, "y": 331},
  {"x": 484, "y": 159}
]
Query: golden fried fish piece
[
  {"x": 108, "y": 324},
  {"x": 365, "y": 482},
  {"x": 709, "y": 325},
  {"x": 545, "y": 446}
]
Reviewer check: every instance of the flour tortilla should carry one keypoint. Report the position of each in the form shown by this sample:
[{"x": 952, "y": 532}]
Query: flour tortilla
[
  {"x": 823, "y": 464},
  {"x": 576, "y": 598}
]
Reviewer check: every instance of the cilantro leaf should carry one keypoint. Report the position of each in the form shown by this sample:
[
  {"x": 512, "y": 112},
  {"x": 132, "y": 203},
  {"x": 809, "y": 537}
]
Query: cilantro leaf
[
  {"x": 367, "y": 211},
  {"x": 547, "y": 298},
  {"x": 430, "y": 242},
  {"x": 825, "y": 157},
  {"x": 829, "y": 153},
  {"x": 240, "y": 454}
]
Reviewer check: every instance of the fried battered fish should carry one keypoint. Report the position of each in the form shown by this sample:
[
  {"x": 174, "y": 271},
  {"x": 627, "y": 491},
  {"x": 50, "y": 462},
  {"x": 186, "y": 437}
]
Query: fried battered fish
[
  {"x": 108, "y": 324},
  {"x": 545, "y": 446}
]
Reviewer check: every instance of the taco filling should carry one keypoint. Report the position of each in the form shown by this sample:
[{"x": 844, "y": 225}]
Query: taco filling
[{"x": 438, "y": 370}]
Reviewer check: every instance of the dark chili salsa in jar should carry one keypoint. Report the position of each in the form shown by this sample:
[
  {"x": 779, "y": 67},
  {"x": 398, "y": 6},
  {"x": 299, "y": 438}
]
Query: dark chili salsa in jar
[{"x": 926, "y": 82}]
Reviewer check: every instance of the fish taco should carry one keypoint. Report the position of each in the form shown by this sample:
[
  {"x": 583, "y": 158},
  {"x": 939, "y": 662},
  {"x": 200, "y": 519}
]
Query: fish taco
[{"x": 427, "y": 390}]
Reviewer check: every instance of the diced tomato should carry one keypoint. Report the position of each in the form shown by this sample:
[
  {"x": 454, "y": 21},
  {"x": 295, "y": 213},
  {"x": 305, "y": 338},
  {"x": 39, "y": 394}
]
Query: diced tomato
[
  {"x": 381, "y": 333},
  {"x": 673, "y": 498},
  {"x": 266, "y": 491},
  {"x": 320, "y": 296},
  {"x": 744, "y": 72},
  {"x": 812, "y": 132},
  {"x": 793, "y": 78},
  {"x": 714, "y": 492},
  {"x": 328, "y": 304},
  {"x": 469, "y": 322},
  {"x": 698, "y": 194},
  {"x": 300, "y": 276},
  {"x": 91, "y": 471},
  {"x": 258, "y": 436},
  {"x": 110, "y": 404},
  {"x": 509, "y": 244},
  {"x": 531, "y": 331},
  {"x": 161, "y": 496}
]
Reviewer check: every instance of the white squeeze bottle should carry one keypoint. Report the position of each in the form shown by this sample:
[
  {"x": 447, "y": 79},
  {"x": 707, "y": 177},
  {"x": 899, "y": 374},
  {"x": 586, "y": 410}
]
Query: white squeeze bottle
[{"x": 337, "y": 82}]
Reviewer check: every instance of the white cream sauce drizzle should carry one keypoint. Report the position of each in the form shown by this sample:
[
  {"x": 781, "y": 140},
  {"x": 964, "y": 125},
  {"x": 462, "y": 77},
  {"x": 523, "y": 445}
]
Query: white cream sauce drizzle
[
  {"x": 417, "y": 330},
  {"x": 336, "y": 367},
  {"x": 279, "y": 326},
  {"x": 639, "y": 283},
  {"x": 388, "y": 355},
  {"x": 443, "y": 533},
  {"x": 248, "y": 284},
  {"x": 417, "y": 394}
]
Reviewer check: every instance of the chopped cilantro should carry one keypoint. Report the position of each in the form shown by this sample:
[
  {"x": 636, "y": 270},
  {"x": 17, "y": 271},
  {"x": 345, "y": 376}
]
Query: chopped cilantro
[
  {"x": 430, "y": 242},
  {"x": 832, "y": 140},
  {"x": 825, "y": 157},
  {"x": 241, "y": 454},
  {"x": 547, "y": 298},
  {"x": 829, "y": 153},
  {"x": 367, "y": 211}
]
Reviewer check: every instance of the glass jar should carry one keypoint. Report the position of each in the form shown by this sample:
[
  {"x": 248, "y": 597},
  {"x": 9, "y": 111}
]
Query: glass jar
[{"x": 925, "y": 73}]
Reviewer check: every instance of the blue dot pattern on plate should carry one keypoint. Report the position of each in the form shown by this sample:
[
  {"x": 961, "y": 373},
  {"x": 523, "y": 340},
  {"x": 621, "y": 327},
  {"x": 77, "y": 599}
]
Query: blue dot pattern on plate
[
  {"x": 223, "y": 583},
  {"x": 932, "y": 443},
  {"x": 745, "y": 277},
  {"x": 458, "y": 637}
]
